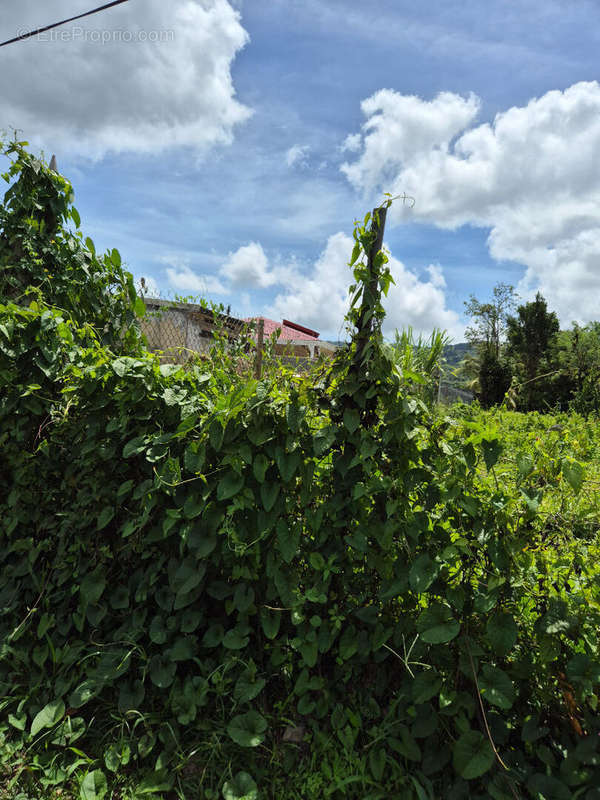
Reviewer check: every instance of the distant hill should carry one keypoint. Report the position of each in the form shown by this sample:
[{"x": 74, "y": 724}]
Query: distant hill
[{"x": 454, "y": 354}]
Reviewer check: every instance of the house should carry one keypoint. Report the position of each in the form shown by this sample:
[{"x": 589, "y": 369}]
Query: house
[
  {"x": 294, "y": 340},
  {"x": 178, "y": 330}
]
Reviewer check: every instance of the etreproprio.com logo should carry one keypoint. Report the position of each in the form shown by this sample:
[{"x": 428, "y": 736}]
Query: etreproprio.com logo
[{"x": 101, "y": 35}]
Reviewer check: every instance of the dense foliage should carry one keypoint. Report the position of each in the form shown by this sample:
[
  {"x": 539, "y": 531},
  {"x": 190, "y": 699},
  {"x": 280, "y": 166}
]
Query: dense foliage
[
  {"x": 526, "y": 359},
  {"x": 288, "y": 588}
]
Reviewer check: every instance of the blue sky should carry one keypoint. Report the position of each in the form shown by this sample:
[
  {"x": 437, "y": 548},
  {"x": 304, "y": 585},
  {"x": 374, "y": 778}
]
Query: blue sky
[{"x": 230, "y": 157}]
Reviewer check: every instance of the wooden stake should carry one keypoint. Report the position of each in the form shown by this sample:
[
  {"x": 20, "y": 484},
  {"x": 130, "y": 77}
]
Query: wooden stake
[
  {"x": 259, "y": 349},
  {"x": 370, "y": 289}
]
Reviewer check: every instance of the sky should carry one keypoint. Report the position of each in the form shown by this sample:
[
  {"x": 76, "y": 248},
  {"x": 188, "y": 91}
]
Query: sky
[{"x": 226, "y": 147}]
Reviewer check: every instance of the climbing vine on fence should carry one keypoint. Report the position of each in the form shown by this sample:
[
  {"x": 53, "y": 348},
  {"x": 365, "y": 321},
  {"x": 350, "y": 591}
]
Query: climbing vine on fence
[{"x": 204, "y": 580}]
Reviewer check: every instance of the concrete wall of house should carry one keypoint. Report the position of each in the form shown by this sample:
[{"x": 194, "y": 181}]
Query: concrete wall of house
[{"x": 175, "y": 333}]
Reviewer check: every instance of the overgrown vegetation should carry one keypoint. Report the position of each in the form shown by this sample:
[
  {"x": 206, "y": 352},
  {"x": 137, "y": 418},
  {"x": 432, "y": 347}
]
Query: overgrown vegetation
[
  {"x": 526, "y": 361},
  {"x": 217, "y": 587}
]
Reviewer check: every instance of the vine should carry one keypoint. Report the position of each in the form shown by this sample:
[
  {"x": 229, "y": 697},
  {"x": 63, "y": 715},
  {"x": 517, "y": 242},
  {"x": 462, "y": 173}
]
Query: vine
[{"x": 205, "y": 578}]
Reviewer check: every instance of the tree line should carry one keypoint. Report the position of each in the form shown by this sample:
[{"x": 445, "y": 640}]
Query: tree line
[{"x": 519, "y": 356}]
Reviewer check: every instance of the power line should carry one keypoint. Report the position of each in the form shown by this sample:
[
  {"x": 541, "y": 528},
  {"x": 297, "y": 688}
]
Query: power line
[{"x": 62, "y": 22}]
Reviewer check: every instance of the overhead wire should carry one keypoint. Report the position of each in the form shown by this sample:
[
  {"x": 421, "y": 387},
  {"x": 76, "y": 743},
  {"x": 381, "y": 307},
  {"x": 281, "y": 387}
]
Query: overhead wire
[{"x": 45, "y": 28}]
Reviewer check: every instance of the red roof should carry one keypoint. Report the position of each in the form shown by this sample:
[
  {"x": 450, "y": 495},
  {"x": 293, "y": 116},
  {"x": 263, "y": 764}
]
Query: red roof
[{"x": 289, "y": 330}]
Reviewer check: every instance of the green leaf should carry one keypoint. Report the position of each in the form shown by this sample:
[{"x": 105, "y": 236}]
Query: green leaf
[
  {"x": 406, "y": 745},
  {"x": 269, "y": 492},
  {"x": 139, "y": 307},
  {"x": 230, "y": 485},
  {"x": 216, "y": 434},
  {"x": 116, "y": 755},
  {"x": 187, "y": 577},
  {"x": 247, "y": 729},
  {"x": 93, "y": 786},
  {"x": 348, "y": 644},
  {"x": 115, "y": 257},
  {"x": 472, "y": 755},
  {"x": 309, "y": 652},
  {"x": 260, "y": 466},
  {"x": 502, "y": 632},
  {"x": 18, "y": 721},
  {"x": 190, "y": 620},
  {"x": 234, "y": 640},
  {"x": 288, "y": 539},
  {"x": 436, "y": 624},
  {"x": 351, "y": 419},
  {"x": 48, "y": 717},
  {"x": 247, "y": 688},
  {"x": 183, "y": 649},
  {"x": 425, "y": 686},
  {"x": 213, "y": 636},
  {"x": 105, "y": 517},
  {"x": 317, "y": 561},
  {"x": 134, "y": 446},
  {"x": 162, "y": 671},
  {"x": 240, "y": 787},
  {"x": 496, "y": 687},
  {"x": 92, "y": 586},
  {"x": 525, "y": 464},
  {"x": 548, "y": 788},
  {"x": 146, "y": 744},
  {"x": 492, "y": 449},
  {"x": 377, "y": 759},
  {"x": 131, "y": 695},
  {"x": 287, "y": 463},
  {"x": 157, "y": 631},
  {"x": 84, "y": 693},
  {"x": 158, "y": 781},
  {"x": 193, "y": 506},
  {"x": 423, "y": 573},
  {"x": 270, "y": 621},
  {"x": 574, "y": 474}
]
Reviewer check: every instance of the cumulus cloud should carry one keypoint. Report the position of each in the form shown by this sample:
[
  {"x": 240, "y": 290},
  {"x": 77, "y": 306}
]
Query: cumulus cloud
[
  {"x": 248, "y": 267},
  {"x": 352, "y": 143},
  {"x": 297, "y": 155},
  {"x": 319, "y": 298},
  {"x": 184, "y": 278},
  {"x": 531, "y": 177},
  {"x": 140, "y": 77},
  {"x": 317, "y": 294}
]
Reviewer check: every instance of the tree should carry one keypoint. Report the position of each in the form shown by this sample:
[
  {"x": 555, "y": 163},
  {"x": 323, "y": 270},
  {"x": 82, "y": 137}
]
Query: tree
[
  {"x": 494, "y": 380},
  {"x": 578, "y": 354},
  {"x": 490, "y": 375},
  {"x": 530, "y": 337},
  {"x": 489, "y": 319}
]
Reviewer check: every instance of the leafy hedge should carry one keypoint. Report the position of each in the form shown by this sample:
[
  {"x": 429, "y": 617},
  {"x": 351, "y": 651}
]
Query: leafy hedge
[{"x": 207, "y": 580}]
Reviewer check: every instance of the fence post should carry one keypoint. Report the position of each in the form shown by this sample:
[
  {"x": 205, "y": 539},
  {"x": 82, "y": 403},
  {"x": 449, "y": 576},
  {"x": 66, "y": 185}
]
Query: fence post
[
  {"x": 365, "y": 327},
  {"x": 259, "y": 349}
]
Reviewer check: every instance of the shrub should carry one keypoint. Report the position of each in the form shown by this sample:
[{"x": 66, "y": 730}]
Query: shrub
[{"x": 200, "y": 577}]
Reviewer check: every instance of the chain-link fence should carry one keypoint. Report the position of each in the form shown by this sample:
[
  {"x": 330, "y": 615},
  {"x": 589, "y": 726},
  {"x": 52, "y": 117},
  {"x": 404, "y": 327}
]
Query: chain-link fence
[
  {"x": 178, "y": 331},
  {"x": 448, "y": 394}
]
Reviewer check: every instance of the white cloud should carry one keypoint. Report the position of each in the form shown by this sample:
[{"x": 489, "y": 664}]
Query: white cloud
[
  {"x": 319, "y": 298},
  {"x": 297, "y": 155},
  {"x": 141, "y": 77},
  {"x": 184, "y": 278},
  {"x": 352, "y": 143},
  {"x": 530, "y": 176},
  {"x": 248, "y": 267}
]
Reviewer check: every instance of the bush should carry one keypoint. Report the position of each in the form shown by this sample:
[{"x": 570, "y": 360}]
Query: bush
[{"x": 271, "y": 588}]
